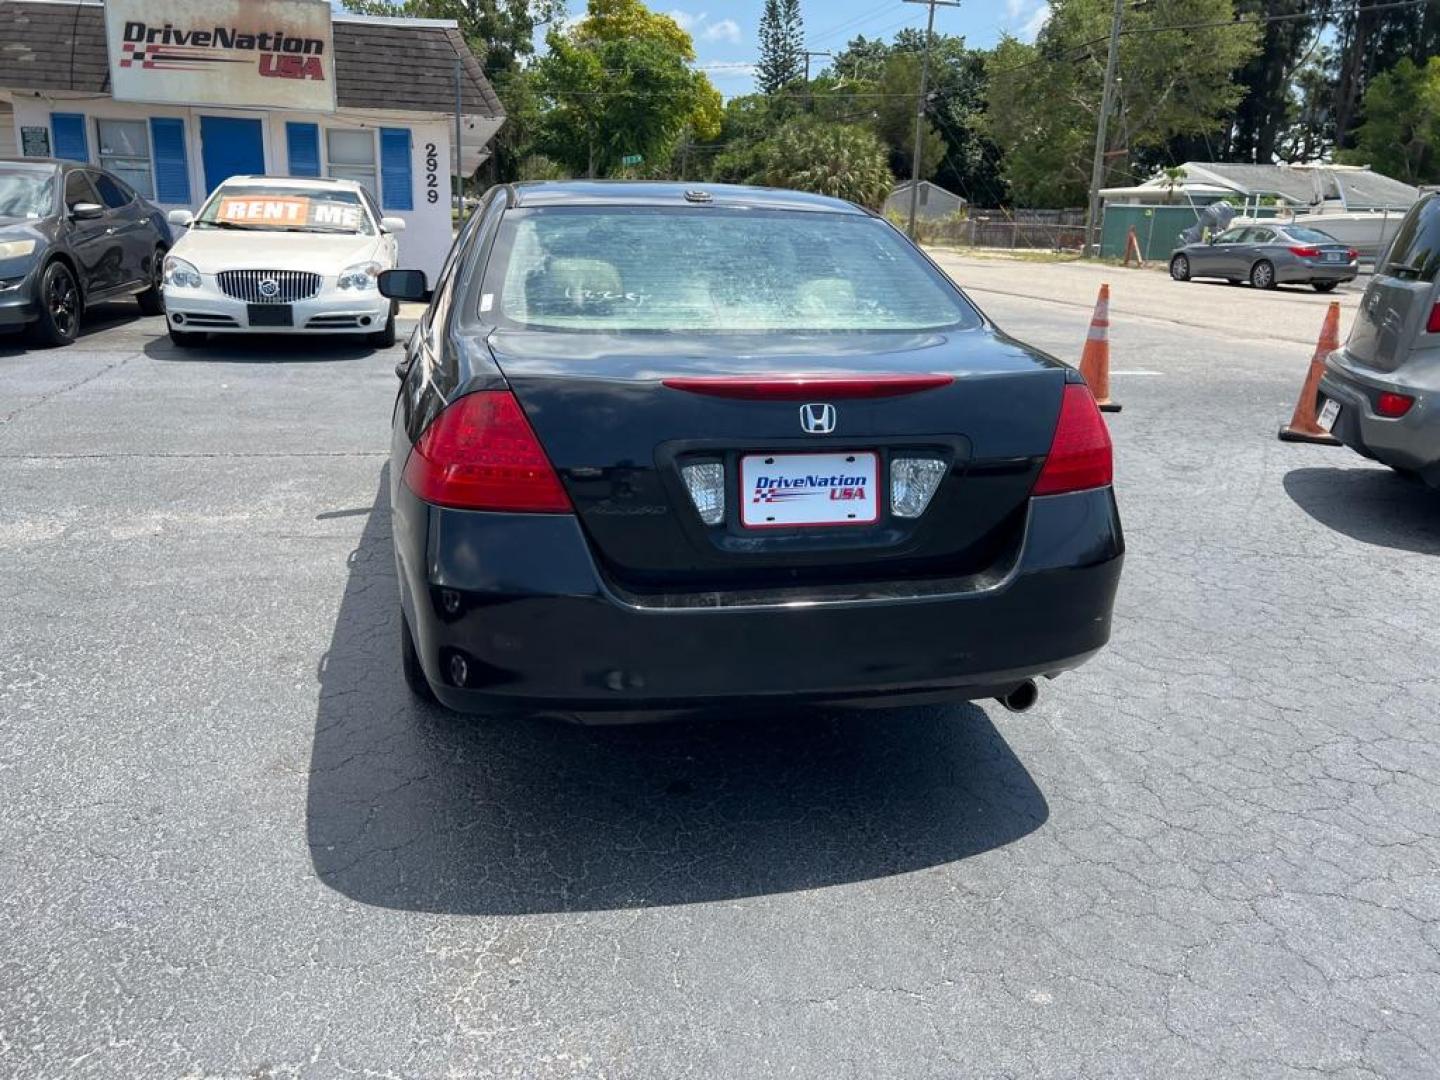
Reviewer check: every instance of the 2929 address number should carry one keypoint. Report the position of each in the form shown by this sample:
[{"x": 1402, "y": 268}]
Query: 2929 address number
[{"x": 432, "y": 169}]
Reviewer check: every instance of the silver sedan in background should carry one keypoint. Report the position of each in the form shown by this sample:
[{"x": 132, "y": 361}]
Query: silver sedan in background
[{"x": 1269, "y": 255}]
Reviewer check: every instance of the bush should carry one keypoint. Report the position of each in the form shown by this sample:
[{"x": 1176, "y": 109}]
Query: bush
[{"x": 845, "y": 161}]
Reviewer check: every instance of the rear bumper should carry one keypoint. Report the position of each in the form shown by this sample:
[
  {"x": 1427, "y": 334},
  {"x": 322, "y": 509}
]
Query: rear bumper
[
  {"x": 1301, "y": 272},
  {"x": 520, "y": 600},
  {"x": 1411, "y": 442}
]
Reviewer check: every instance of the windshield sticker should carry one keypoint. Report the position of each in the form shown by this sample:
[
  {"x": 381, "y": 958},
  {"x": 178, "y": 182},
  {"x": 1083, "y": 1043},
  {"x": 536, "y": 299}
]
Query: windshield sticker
[
  {"x": 487, "y": 301},
  {"x": 297, "y": 211}
]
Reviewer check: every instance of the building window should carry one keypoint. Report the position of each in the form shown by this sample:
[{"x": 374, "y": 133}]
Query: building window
[
  {"x": 125, "y": 151},
  {"x": 352, "y": 157}
]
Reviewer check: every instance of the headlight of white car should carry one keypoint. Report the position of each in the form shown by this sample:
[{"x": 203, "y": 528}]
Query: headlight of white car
[
  {"x": 361, "y": 276},
  {"x": 179, "y": 274},
  {"x": 13, "y": 249}
]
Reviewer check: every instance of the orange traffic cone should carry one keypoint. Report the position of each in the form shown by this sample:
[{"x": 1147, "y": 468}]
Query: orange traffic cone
[
  {"x": 1303, "y": 426},
  {"x": 1095, "y": 360}
]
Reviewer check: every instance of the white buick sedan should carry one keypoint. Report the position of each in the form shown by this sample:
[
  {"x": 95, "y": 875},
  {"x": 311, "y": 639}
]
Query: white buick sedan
[{"x": 281, "y": 255}]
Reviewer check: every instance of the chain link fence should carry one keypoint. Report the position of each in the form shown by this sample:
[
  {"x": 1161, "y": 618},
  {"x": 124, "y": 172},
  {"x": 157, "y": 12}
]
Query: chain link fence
[{"x": 1034, "y": 230}]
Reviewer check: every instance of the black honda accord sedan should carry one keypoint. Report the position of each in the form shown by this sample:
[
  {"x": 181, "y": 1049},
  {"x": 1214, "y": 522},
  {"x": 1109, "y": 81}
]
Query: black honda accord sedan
[{"x": 659, "y": 448}]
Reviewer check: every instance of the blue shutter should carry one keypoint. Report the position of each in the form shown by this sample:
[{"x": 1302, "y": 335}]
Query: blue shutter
[
  {"x": 396, "y": 187},
  {"x": 302, "y": 143},
  {"x": 172, "y": 165},
  {"x": 68, "y": 134}
]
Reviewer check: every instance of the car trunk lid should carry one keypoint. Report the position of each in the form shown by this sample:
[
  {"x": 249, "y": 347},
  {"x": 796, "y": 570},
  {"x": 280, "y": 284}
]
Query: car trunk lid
[{"x": 621, "y": 416}]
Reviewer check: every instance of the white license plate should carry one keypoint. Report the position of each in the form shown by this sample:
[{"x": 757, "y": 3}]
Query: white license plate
[
  {"x": 1334, "y": 256},
  {"x": 1329, "y": 413},
  {"x": 782, "y": 490}
]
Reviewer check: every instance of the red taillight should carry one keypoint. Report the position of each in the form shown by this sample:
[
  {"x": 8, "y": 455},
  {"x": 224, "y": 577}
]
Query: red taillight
[
  {"x": 807, "y": 387},
  {"x": 480, "y": 453},
  {"x": 1353, "y": 254},
  {"x": 1432, "y": 326},
  {"x": 1080, "y": 454},
  {"x": 1394, "y": 406},
  {"x": 1306, "y": 252}
]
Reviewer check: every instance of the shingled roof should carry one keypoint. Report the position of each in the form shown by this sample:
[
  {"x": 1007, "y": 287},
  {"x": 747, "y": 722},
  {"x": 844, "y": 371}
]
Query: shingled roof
[{"x": 379, "y": 63}]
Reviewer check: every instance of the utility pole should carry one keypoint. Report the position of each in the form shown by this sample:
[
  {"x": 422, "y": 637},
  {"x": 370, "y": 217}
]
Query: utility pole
[
  {"x": 459, "y": 166},
  {"x": 920, "y": 105},
  {"x": 1107, "y": 100},
  {"x": 809, "y": 97}
]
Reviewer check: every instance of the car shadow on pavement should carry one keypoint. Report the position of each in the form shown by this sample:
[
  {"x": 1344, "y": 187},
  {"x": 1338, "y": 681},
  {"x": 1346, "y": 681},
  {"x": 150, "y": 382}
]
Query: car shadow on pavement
[
  {"x": 98, "y": 318},
  {"x": 262, "y": 349},
  {"x": 411, "y": 807},
  {"x": 1375, "y": 506}
]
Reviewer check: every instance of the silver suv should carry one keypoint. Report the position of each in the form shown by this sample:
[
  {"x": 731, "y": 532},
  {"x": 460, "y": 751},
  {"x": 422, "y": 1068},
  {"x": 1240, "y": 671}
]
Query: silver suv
[{"x": 1380, "y": 394}]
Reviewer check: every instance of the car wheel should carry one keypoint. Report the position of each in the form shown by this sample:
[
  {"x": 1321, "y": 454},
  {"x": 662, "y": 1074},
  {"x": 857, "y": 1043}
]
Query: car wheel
[
  {"x": 186, "y": 339},
  {"x": 1324, "y": 286},
  {"x": 152, "y": 300},
  {"x": 60, "y": 305},
  {"x": 1180, "y": 268},
  {"x": 383, "y": 339},
  {"x": 1262, "y": 275},
  {"x": 410, "y": 664}
]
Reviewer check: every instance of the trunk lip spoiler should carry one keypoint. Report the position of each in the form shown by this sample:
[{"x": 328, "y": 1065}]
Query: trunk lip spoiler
[{"x": 808, "y": 387}]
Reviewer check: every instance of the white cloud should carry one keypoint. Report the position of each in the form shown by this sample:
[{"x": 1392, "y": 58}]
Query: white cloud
[
  {"x": 724, "y": 30},
  {"x": 728, "y": 69},
  {"x": 688, "y": 20},
  {"x": 1037, "y": 19},
  {"x": 1013, "y": 8}
]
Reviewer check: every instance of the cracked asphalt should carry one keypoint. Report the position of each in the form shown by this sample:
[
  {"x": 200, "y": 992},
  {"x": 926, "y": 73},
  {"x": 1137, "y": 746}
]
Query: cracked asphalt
[{"x": 231, "y": 845}]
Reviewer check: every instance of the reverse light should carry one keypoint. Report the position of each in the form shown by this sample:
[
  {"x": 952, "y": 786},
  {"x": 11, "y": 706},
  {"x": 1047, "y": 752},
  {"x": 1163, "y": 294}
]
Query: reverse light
[
  {"x": 179, "y": 274},
  {"x": 1081, "y": 455},
  {"x": 706, "y": 484},
  {"x": 1393, "y": 406},
  {"x": 360, "y": 277},
  {"x": 14, "y": 249},
  {"x": 913, "y": 482},
  {"x": 481, "y": 453},
  {"x": 1306, "y": 252}
]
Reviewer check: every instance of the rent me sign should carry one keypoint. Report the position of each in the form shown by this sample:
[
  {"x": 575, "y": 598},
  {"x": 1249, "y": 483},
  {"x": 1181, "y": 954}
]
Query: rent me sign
[{"x": 222, "y": 52}]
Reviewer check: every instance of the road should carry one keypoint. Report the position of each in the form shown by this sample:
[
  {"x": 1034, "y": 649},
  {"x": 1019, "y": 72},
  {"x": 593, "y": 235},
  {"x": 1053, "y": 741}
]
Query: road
[{"x": 232, "y": 845}]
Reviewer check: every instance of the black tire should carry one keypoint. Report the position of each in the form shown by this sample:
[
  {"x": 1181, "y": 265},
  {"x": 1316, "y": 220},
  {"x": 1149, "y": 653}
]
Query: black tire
[
  {"x": 60, "y": 307},
  {"x": 187, "y": 339},
  {"x": 1324, "y": 286},
  {"x": 1262, "y": 274},
  {"x": 152, "y": 300},
  {"x": 410, "y": 664},
  {"x": 1180, "y": 268},
  {"x": 383, "y": 339}
]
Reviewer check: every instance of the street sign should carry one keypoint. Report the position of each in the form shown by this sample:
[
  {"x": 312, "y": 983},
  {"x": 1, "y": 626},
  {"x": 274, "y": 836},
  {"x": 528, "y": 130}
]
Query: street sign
[{"x": 631, "y": 159}]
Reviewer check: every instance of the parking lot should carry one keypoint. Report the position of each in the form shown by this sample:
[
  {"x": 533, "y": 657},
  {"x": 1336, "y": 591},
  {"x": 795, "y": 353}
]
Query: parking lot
[{"x": 233, "y": 845}]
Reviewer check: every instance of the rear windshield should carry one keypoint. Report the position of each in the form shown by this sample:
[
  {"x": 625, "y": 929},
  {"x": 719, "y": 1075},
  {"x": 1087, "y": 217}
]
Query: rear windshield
[
  {"x": 1415, "y": 254},
  {"x": 617, "y": 269},
  {"x": 1310, "y": 236}
]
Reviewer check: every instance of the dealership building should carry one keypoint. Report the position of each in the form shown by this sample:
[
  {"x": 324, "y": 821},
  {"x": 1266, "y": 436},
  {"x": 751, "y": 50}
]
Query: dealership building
[{"x": 173, "y": 96}]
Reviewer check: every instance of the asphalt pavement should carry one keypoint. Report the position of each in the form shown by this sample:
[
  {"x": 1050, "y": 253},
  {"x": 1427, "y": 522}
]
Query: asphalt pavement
[{"x": 232, "y": 846}]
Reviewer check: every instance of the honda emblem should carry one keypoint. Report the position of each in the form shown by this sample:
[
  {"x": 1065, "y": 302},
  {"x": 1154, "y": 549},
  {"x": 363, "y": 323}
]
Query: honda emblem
[{"x": 817, "y": 419}]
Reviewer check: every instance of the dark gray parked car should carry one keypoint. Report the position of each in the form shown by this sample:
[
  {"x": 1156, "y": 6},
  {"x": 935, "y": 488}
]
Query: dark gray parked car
[
  {"x": 72, "y": 235},
  {"x": 1269, "y": 255},
  {"x": 1380, "y": 394}
]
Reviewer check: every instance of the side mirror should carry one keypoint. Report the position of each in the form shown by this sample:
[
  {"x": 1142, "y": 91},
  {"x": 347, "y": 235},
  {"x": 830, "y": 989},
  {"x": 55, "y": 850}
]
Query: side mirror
[
  {"x": 392, "y": 224},
  {"x": 183, "y": 218},
  {"x": 403, "y": 284},
  {"x": 87, "y": 211}
]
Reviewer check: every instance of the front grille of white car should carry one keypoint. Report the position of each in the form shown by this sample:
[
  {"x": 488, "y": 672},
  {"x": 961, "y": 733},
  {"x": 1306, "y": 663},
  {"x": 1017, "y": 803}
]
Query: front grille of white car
[{"x": 269, "y": 286}]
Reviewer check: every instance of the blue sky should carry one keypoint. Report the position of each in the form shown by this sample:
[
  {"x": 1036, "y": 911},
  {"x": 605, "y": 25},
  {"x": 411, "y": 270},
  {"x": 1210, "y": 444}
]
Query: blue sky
[{"x": 725, "y": 32}]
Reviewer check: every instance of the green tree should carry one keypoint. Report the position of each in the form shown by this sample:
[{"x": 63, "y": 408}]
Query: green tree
[
  {"x": 846, "y": 161},
  {"x": 782, "y": 46},
  {"x": 1400, "y": 132},
  {"x": 502, "y": 34},
  {"x": 1043, "y": 98},
  {"x": 618, "y": 83}
]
